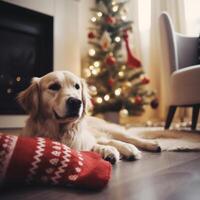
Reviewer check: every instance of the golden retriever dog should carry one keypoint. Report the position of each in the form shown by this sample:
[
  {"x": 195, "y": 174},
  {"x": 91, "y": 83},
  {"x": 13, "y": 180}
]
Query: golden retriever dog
[{"x": 57, "y": 104}]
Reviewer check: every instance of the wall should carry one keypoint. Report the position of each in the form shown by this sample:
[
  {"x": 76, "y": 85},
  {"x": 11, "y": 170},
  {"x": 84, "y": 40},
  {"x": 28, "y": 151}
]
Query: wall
[{"x": 66, "y": 39}]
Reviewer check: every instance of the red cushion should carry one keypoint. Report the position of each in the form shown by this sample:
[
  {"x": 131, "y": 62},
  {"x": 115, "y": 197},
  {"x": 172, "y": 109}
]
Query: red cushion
[{"x": 41, "y": 160}]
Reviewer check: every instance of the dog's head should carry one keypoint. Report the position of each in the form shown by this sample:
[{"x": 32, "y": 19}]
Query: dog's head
[{"x": 59, "y": 95}]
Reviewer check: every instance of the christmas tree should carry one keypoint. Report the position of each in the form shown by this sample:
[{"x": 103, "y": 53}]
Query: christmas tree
[{"x": 116, "y": 81}]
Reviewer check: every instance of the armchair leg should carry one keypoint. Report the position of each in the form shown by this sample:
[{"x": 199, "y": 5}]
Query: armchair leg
[
  {"x": 170, "y": 115},
  {"x": 195, "y": 114}
]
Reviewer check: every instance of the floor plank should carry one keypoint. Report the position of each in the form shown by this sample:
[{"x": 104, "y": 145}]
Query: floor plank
[{"x": 167, "y": 175}]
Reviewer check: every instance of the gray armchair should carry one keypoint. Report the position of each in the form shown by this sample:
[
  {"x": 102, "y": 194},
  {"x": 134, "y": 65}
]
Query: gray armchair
[{"x": 184, "y": 70}]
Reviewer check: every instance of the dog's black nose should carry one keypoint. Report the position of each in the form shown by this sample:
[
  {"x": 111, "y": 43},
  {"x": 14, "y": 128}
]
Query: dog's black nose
[{"x": 73, "y": 104}]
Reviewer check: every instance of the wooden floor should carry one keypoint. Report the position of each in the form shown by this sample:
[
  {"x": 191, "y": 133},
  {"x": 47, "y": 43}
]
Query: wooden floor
[{"x": 162, "y": 176}]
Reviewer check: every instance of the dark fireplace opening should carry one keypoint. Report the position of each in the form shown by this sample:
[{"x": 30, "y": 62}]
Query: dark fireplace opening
[{"x": 26, "y": 51}]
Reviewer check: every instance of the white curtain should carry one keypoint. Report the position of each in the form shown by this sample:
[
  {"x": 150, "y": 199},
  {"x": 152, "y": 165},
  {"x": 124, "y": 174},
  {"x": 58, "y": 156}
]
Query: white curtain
[
  {"x": 157, "y": 60},
  {"x": 150, "y": 46}
]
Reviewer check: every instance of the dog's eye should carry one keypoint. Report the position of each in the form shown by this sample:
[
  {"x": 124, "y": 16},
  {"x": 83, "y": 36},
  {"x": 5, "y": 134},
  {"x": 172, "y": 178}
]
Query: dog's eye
[
  {"x": 77, "y": 86},
  {"x": 55, "y": 86}
]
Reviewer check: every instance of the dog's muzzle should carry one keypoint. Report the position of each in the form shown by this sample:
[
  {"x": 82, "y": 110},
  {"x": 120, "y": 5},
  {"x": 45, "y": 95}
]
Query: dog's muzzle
[{"x": 73, "y": 106}]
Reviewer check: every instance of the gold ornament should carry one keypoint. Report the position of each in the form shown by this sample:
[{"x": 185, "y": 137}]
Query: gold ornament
[
  {"x": 126, "y": 88},
  {"x": 105, "y": 41},
  {"x": 93, "y": 90}
]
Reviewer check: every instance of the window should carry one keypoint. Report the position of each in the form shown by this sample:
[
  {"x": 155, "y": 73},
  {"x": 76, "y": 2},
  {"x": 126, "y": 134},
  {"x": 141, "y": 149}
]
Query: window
[
  {"x": 192, "y": 15},
  {"x": 144, "y": 12}
]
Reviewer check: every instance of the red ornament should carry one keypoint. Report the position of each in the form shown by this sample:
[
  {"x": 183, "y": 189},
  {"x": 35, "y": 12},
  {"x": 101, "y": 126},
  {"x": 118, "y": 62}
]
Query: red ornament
[
  {"x": 145, "y": 80},
  {"x": 91, "y": 35},
  {"x": 154, "y": 103},
  {"x": 110, "y": 20},
  {"x": 132, "y": 61},
  {"x": 93, "y": 102},
  {"x": 110, "y": 60},
  {"x": 138, "y": 100},
  {"x": 111, "y": 82}
]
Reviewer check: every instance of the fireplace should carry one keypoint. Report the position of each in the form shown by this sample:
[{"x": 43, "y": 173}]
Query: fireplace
[{"x": 26, "y": 51}]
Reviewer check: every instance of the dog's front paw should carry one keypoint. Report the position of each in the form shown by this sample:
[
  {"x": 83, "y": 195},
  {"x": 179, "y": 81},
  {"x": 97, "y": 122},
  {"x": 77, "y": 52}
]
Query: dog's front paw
[
  {"x": 152, "y": 146},
  {"x": 108, "y": 153},
  {"x": 130, "y": 152}
]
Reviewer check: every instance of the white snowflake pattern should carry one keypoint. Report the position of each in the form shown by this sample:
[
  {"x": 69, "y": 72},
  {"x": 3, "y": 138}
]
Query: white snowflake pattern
[
  {"x": 54, "y": 161},
  {"x": 73, "y": 177},
  {"x": 56, "y": 153}
]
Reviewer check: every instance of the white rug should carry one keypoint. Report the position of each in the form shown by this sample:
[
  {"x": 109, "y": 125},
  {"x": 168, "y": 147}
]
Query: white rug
[{"x": 169, "y": 140}]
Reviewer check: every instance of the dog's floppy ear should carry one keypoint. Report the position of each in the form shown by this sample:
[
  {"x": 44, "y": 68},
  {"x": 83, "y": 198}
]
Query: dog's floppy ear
[
  {"x": 29, "y": 98},
  {"x": 85, "y": 96}
]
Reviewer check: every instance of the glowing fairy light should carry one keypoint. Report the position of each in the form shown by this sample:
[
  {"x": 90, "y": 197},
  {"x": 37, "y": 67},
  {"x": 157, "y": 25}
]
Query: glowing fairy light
[
  {"x": 115, "y": 8},
  {"x": 118, "y": 91},
  {"x": 106, "y": 97},
  {"x": 99, "y": 100},
  {"x": 91, "y": 67},
  {"x": 96, "y": 63},
  {"x": 123, "y": 17},
  {"x": 87, "y": 73},
  {"x": 99, "y": 14},
  {"x": 92, "y": 52},
  {"x": 93, "y": 19},
  {"x": 117, "y": 39},
  {"x": 121, "y": 73}
]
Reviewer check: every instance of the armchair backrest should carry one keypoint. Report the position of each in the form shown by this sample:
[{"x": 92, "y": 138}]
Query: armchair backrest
[{"x": 181, "y": 50}]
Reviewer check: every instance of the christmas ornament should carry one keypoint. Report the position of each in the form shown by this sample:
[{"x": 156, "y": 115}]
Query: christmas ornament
[
  {"x": 110, "y": 20},
  {"x": 93, "y": 101},
  {"x": 126, "y": 88},
  {"x": 43, "y": 161},
  {"x": 131, "y": 60},
  {"x": 154, "y": 103},
  {"x": 144, "y": 80},
  {"x": 138, "y": 100},
  {"x": 110, "y": 60},
  {"x": 111, "y": 82},
  {"x": 93, "y": 90},
  {"x": 91, "y": 35},
  {"x": 105, "y": 41},
  {"x": 123, "y": 112}
]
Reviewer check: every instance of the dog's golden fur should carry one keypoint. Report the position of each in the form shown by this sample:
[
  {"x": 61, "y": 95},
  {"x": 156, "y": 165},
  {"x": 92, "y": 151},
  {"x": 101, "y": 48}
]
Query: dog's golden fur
[{"x": 45, "y": 102}]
